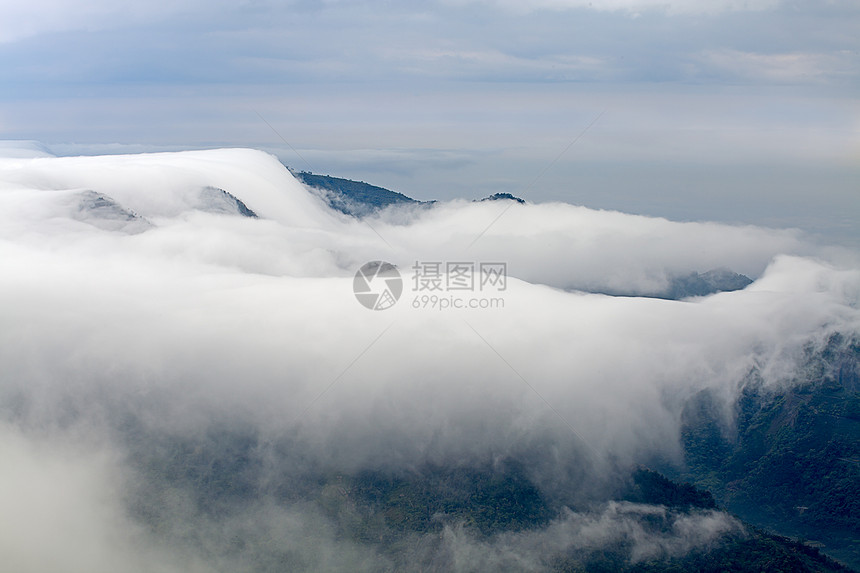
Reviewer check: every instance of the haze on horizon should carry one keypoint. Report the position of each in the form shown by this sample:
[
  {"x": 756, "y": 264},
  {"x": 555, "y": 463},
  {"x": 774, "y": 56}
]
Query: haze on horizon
[{"x": 712, "y": 110}]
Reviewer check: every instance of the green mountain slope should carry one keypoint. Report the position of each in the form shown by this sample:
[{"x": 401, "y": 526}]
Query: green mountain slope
[
  {"x": 198, "y": 490},
  {"x": 792, "y": 462}
]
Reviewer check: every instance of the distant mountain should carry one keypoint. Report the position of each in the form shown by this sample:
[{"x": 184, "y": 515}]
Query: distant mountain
[
  {"x": 503, "y": 197},
  {"x": 710, "y": 282},
  {"x": 354, "y": 198},
  {"x": 685, "y": 285},
  {"x": 216, "y": 200},
  {"x": 358, "y": 198},
  {"x": 107, "y": 214}
]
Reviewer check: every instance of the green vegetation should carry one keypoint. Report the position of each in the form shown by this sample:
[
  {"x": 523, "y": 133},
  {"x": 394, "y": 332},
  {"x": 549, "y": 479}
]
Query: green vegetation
[
  {"x": 757, "y": 553},
  {"x": 760, "y": 553},
  {"x": 789, "y": 462},
  {"x": 653, "y": 488},
  {"x": 792, "y": 462},
  {"x": 487, "y": 500}
]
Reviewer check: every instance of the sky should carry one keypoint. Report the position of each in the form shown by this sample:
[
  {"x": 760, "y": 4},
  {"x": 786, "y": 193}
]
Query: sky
[{"x": 739, "y": 112}]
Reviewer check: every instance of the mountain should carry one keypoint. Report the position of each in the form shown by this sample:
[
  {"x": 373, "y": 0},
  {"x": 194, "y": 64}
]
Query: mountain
[
  {"x": 503, "y": 197},
  {"x": 686, "y": 285},
  {"x": 710, "y": 282},
  {"x": 790, "y": 461},
  {"x": 107, "y": 214},
  {"x": 215, "y": 200},
  {"x": 421, "y": 518},
  {"x": 354, "y": 198},
  {"x": 358, "y": 198}
]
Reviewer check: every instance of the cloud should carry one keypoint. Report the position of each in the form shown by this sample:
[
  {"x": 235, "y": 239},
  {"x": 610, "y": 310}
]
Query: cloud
[
  {"x": 64, "y": 511},
  {"x": 496, "y": 65},
  {"x": 236, "y": 343},
  {"x": 797, "y": 67},
  {"x": 23, "y": 149},
  {"x": 636, "y": 7},
  {"x": 576, "y": 535},
  {"x": 578, "y": 248},
  {"x": 48, "y": 16}
]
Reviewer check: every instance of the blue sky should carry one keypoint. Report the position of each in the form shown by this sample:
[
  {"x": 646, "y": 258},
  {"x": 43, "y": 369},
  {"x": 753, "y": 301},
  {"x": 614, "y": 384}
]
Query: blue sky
[{"x": 739, "y": 111}]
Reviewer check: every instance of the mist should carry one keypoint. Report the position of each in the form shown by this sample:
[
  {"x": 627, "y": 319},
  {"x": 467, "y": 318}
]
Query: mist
[{"x": 142, "y": 323}]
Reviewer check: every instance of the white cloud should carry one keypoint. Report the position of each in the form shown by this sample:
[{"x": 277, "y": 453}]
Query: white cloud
[
  {"x": 795, "y": 67},
  {"x": 63, "y": 511},
  {"x": 496, "y": 64},
  {"x": 634, "y": 7},
  {"x": 208, "y": 319},
  {"x": 21, "y": 20},
  {"x": 577, "y": 533}
]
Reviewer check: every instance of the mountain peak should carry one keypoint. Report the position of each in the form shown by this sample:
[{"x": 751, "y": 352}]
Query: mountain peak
[{"x": 503, "y": 197}]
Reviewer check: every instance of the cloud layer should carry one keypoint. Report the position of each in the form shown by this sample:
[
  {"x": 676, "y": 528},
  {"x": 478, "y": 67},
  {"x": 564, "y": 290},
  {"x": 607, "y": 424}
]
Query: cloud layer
[{"x": 121, "y": 344}]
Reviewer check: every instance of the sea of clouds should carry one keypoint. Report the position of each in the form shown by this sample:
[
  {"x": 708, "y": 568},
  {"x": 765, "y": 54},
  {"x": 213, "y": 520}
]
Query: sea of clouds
[{"x": 155, "y": 318}]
